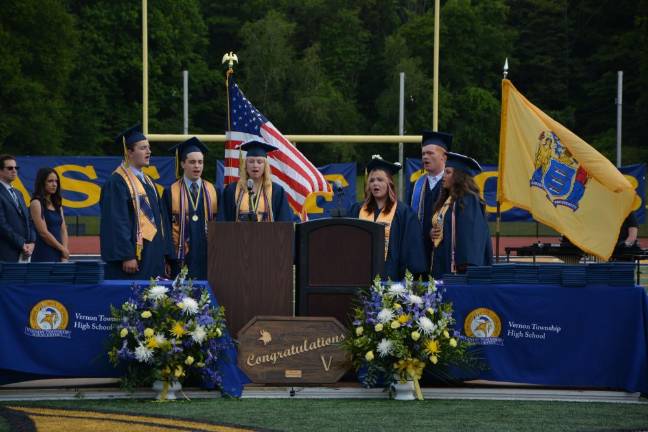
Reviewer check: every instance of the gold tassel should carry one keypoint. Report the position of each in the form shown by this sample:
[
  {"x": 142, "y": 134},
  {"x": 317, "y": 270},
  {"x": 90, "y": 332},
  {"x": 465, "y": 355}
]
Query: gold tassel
[{"x": 125, "y": 152}]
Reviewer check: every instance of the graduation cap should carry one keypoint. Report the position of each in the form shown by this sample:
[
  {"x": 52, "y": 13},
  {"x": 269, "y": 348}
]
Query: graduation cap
[
  {"x": 437, "y": 138},
  {"x": 182, "y": 149},
  {"x": 257, "y": 148},
  {"x": 129, "y": 136},
  {"x": 377, "y": 162},
  {"x": 464, "y": 163}
]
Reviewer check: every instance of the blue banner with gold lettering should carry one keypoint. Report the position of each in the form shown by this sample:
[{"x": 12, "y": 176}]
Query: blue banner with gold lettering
[
  {"x": 487, "y": 182},
  {"x": 83, "y": 176}
]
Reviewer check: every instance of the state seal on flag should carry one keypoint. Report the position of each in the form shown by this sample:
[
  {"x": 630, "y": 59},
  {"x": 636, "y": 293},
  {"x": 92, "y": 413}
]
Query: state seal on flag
[{"x": 557, "y": 172}]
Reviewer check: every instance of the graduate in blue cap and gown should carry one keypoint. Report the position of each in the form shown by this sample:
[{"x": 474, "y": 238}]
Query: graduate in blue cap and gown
[
  {"x": 267, "y": 201},
  {"x": 403, "y": 239},
  {"x": 133, "y": 231},
  {"x": 190, "y": 203},
  {"x": 427, "y": 188},
  {"x": 459, "y": 225}
]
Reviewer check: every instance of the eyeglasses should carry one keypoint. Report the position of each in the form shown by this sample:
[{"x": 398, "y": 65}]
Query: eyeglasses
[{"x": 12, "y": 168}]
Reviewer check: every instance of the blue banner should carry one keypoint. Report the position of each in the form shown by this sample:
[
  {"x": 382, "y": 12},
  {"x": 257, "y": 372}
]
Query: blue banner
[
  {"x": 83, "y": 176},
  {"x": 487, "y": 182},
  {"x": 593, "y": 336},
  {"x": 59, "y": 331}
]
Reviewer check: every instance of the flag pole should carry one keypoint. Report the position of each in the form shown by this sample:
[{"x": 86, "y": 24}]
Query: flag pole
[
  {"x": 498, "y": 217},
  {"x": 435, "y": 78},
  {"x": 145, "y": 107},
  {"x": 230, "y": 58}
]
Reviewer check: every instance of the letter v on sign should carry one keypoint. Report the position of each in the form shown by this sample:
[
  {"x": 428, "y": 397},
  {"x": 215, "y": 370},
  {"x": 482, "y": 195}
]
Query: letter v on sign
[{"x": 327, "y": 366}]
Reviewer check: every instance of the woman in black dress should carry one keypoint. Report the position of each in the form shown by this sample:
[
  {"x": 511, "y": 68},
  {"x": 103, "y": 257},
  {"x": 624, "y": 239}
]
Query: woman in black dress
[{"x": 47, "y": 213}]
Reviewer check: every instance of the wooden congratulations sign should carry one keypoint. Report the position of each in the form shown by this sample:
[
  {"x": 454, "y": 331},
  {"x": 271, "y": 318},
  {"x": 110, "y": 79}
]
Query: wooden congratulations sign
[{"x": 293, "y": 350}]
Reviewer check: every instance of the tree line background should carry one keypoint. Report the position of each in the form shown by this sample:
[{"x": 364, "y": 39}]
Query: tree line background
[{"x": 71, "y": 72}]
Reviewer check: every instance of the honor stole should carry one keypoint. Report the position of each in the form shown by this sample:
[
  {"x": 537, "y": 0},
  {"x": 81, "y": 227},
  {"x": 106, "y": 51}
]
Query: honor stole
[
  {"x": 262, "y": 206},
  {"x": 437, "y": 222},
  {"x": 181, "y": 201},
  {"x": 383, "y": 219},
  {"x": 145, "y": 220}
]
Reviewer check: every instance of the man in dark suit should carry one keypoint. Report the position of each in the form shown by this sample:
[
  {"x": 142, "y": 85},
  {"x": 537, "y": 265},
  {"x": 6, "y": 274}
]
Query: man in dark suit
[
  {"x": 17, "y": 234},
  {"x": 425, "y": 191}
]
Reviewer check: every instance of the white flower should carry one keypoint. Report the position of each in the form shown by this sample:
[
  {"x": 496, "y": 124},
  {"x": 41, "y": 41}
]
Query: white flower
[
  {"x": 160, "y": 339},
  {"x": 188, "y": 306},
  {"x": 385, "y": 315},
  {"x": 199, "y": 334},
  {"x": 397, "y": 290},
  {"x": 426, "y": 325},
  {"x": 414, "y": 299},
  {"x": 143, "y": 354},
  {"x": 385, "y": 347},
  {"x": 158, "y": 292}
]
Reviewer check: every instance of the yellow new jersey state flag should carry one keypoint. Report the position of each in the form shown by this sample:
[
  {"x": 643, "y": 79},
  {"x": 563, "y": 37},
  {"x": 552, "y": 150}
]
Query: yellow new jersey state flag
[{"x": 561, "y": 180}]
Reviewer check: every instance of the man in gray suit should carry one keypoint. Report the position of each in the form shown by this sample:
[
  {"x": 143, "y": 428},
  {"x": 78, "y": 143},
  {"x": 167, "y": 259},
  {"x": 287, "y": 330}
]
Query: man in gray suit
[{"x": 17, "y": 234}]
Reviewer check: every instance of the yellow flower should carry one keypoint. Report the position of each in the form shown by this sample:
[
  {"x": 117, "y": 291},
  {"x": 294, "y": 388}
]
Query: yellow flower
[
  {"x": 179, "y": 371},
  {"x": 369, "y": 356},
  {"x": 434, "y": 359},
  {"x": 124, "y": 332},
  {"x": 395, "y": 324},
  {"x": 219, "y": 332},
  {"x": 178, "y": 330},
  {"x": 430, "y": 311},
  {"x": 180, "y": 305},
  {"x": 148, "y": 332},
  {"x": 397, "y": 306},
  {"x": 378, "y": 327},
  {"x": 432, "y": 347},
  {"x": 446, "y": 334},
  {"x": 415, "y": 335},
  {"x": 453, "y": 342},
  {"x": 146, "y": 314},
  {"x": 189, "y": 360},
  {"x": 403, "y": 318},
  {"x": 200, "y": 364},
  {"x": 359, "y": 331},
  {"x": 152, "y": 343}
]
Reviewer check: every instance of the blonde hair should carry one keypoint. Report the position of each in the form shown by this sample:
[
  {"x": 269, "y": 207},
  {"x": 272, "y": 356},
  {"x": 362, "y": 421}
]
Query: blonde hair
[{"x": 243, "y": 175}]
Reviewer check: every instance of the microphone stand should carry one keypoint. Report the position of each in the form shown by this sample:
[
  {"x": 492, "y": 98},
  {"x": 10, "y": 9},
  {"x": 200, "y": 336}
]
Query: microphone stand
[{"x": 251, "y": 214}]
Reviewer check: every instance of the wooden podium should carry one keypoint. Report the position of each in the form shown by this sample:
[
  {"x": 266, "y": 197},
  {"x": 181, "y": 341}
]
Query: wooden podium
[
  {"x": 251, "y": 269},
  {"x": 335, "y": 258}
]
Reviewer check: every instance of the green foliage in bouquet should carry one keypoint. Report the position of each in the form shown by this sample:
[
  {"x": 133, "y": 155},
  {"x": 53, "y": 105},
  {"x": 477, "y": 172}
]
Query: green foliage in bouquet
[
  {"x": 167, "y": 333},
  {"x": 400, "y": 329}
]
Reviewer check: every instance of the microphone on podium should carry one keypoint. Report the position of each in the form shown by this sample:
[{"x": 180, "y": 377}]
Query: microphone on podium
[
  {"x": 251, "y": 215},
  {"x": 338, "y": 192}
]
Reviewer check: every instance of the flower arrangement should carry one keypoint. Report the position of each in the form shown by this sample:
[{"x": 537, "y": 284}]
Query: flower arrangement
[
  {"x": 168, "y": 333},
  {"x": 399, "y": 329}
]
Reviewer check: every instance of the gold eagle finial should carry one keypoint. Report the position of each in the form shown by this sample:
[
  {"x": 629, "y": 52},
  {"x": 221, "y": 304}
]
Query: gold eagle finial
[{"x": 230, "y": 58}]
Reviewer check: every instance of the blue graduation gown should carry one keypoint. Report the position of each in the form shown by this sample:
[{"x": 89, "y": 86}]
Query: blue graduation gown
[
  {"x": 196, "y": 259},
  {"x": 280, "y": 208},
  {"x": 430, "y": 197},
  {"x": 118, "y": 232},
  {"x": 472, "y": 244},
  {"x": 405, "y": 251}
]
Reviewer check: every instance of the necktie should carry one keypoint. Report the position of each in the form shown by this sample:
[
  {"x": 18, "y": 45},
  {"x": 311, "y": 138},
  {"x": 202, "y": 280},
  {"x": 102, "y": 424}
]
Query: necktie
[
  {"x": 194, "y": 191},
  {"x": 12, "y": 192}
]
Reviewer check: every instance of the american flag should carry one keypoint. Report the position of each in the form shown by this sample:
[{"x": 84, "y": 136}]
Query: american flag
[{"x": 290, "y": 168}]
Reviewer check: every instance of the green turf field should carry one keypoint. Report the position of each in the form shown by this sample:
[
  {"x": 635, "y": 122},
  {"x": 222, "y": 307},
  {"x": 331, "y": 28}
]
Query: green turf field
[{"x": 386, "y": 415}]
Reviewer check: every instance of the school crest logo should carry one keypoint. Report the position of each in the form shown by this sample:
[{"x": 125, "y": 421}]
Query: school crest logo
[
  {"x": 557, "y": 172},
  {"x": 483, "y": 326},
  {"x": 48, "y": 318}
]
